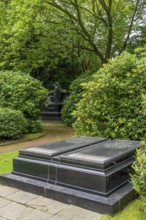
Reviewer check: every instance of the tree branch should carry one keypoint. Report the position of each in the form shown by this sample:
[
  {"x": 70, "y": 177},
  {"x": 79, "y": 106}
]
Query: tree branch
[
  {"x": 110, "y": 32},
  {"x": 91, "y": 42},
  {"x": 77, "y": 18},
  {"x": 130, "y": 28}
]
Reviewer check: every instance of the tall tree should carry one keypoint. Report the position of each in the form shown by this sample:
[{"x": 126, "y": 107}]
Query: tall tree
[
  {"x": 29, "y": 39},
  {"x": 35, "y": 34},
  {"x": 105, "y": 25}
]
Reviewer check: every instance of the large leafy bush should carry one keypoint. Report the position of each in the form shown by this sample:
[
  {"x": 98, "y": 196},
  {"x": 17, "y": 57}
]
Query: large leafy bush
[
  {"x": 74, "y": 97},
  {"x": 20, "y": 91},
  {"x": 111, "y": 104},
  {"x": 12, "y": 123}
]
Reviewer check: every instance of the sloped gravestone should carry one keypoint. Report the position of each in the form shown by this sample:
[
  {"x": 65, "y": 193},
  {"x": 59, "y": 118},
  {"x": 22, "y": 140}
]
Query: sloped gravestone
[{"x": 89, "y": 172}]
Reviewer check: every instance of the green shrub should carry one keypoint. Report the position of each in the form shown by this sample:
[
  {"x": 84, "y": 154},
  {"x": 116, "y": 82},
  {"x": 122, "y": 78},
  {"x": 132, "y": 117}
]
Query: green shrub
[
  {"x": 141, "y": 52},
  {"x": 12, "y": 123},
  {"x": 111, "y": 103},
  {"x": 20, "y": 91},
  {"x": 34, "y": 125},
  {"x": 74, "y": 97},
  {"x": 138, "y": 179}
]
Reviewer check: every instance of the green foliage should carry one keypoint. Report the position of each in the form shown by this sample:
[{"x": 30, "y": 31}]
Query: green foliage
[
  {"x": 20, "y": 91},
  {"x": 111, "y": 104},
  {"x": 12, "y": 123},
  {"x": 34, "y": 125},
  {"x": 74, "y": 97},
  {"x": 104, "y": 27},
  {"x": 141, "y": 52},
  {"x": 39, "y": 36},
  {"x": 67, "y": 68},
  {"x": 139, "y": 177},
  {"x": 144, "y": 102},
  {"x": 30, "y": 42}
]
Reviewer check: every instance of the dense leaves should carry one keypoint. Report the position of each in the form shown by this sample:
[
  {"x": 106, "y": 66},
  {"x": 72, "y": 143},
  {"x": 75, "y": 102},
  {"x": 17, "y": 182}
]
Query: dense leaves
[
  {"x": 112, "y": 103},
  {"x": 30, "y": 42},
  {"x": 139, "y": 177},
  {"x": 104, "y": 26},
  {"x": 20, "y": 91},
  {"x": 64, "y": 72},
  {"x": 12, "y": 123},
  {"x": 37, "y": 36},
  {"x": 71, "y": 101}
]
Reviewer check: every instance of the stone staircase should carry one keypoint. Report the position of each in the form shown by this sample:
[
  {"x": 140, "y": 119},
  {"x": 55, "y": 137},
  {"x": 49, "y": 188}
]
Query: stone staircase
[{"x": 52, "y": 112}]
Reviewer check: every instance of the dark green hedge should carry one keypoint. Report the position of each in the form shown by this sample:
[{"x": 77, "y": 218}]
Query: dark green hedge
[
  {"x": 12, "y": 123},
  {"x": 20, "y": 91}
]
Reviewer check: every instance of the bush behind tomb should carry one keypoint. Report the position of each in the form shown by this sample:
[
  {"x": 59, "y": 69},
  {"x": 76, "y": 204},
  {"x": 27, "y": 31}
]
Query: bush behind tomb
[
  {"x": 20, "y": 91},
  {"x": 12, "y": 123},
  {"x": 111, "y": 105},
  {"x": 139, "y": 177},
  {"x": 71, "y": 101}
]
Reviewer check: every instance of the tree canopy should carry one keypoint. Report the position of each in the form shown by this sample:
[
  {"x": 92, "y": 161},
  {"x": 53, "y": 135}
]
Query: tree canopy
[
  {"x": 38, "y": 34},
  {"x": 105, "y": 25}
]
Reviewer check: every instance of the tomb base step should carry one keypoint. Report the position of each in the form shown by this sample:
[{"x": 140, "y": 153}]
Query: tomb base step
[
  {"x": 104, "y": 205},
  {"x": 51, "y": 119}
]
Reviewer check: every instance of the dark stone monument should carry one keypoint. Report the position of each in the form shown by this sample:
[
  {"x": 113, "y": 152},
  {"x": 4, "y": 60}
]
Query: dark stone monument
[
  {"x": 54, "y": 103},
  {"x": 89, "y": 172}
]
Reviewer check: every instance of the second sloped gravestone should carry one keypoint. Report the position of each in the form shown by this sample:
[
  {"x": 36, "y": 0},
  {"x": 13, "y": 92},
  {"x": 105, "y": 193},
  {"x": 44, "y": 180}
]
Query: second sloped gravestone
[
  {"x": 54, "y": 103},
  {"x": 89, "y": 172}
]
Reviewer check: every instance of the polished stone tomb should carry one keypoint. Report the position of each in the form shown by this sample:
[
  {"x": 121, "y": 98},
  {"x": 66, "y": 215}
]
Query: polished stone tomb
[{"x": 90, "y": 172}]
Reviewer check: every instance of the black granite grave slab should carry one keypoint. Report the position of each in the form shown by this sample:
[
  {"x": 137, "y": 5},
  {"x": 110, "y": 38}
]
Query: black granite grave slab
[
  {"x": 47, "y": 151},
  {"x": 107, "y": 163},
  {"x": 31, "y": 161},
  {"x": 100, "y": 156},
  {"x": 101, "y": 183},
  {"x": 91, "y": 171},
  {"x": 32, "y": 168}
]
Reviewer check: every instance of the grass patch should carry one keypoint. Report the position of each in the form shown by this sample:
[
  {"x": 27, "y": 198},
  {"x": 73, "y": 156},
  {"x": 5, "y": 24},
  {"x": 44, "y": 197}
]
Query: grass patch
[
  {"x": 131, "y": 212},
  {"x": 34, "y": 135},
  {"x": 6, "y": 161}
]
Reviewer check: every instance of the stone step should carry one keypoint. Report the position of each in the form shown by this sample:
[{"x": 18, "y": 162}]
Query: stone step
[{"x": 114, "y": 203}]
